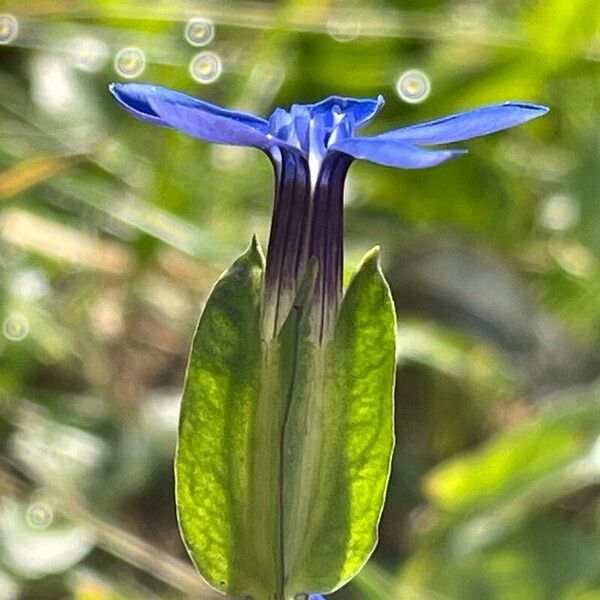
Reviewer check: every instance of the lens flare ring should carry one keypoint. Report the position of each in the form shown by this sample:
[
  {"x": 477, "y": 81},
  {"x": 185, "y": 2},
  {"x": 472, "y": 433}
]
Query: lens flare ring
[
  {"x": 199, "y": 32},
  {"x": 413, "y": 86},
  {"x": 130, "y": 62},
  {"x": 40, "y": 515},
  {"x": 9, "y": 29},
  {"x": 15, "y": 327},
  {"x": 206, "y": 67}
]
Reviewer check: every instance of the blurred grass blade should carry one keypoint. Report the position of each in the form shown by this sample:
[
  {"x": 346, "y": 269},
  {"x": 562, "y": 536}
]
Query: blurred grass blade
[
  {"x": 65, "y": 244},
  {"x": 32, "y": 171},
  {"x": 517, "y": 460},
  {"x": 375, "y": 584}
]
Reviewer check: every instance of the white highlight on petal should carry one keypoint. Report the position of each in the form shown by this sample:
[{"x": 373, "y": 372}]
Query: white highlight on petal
[
  {"x": 199, "y": 31},
  {"x": 130, "y": 62},
  {"x": 413, "y": 86},
  {"x": 15, "y": 327},
  {"x": 314, "y": 167},
  {"x": 9, "y": 29},
  {"x": 206, "y": 67}
]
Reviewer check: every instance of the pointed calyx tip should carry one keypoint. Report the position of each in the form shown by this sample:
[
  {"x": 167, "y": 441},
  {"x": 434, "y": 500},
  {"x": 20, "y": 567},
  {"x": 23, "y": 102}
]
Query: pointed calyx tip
[
  {"x": 372, "y": 257},
  {"x": 255, "y": 251}
]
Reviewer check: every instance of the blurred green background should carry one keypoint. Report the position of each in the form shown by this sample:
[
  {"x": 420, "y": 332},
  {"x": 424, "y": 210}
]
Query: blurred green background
[{"x": 112, "y": 233}]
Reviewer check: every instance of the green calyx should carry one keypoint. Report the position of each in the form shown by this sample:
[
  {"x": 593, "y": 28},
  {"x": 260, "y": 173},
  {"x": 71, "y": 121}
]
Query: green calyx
[{"x": 284, "y": 445}]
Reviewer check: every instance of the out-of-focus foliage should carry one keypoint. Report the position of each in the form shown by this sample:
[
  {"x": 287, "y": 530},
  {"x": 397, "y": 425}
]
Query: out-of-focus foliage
[{"x": 112, "y": 233}]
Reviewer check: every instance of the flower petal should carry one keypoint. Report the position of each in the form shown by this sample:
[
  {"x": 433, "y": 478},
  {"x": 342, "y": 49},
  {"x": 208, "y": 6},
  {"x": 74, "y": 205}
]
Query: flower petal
[
  {"x": 362, "y": 110},
  {"x": 469, "y": 124},
  {"x": 393, "y": 153},
  {"x": 195, "y": 117},
  {"x": 133, "y": 98}
]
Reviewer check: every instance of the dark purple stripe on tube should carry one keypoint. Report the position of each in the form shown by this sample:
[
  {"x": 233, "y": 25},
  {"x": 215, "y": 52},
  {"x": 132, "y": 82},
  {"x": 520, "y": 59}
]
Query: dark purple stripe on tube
[
  {"x": 326, "y": 242},
  {"x": 287, "y": 254}
]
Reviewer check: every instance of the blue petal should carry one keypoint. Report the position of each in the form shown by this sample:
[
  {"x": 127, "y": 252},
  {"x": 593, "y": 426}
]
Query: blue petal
[
  {"x": 133, "y": 98},
  {"x": 361, "y": 110},
  {"x": 316, "y": 597},
  {"x": 281, "y": 125},
  {"x": 467, "y": 125},
  {"x": 195, "y": 117},
  {"x": 393, "y": 153}
]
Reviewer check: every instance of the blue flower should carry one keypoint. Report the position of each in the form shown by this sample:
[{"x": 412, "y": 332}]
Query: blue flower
[{"x": 311, "y": 147}]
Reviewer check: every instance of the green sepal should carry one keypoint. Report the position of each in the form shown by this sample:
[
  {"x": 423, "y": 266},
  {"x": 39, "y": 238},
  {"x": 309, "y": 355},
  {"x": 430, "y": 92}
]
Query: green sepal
[
  {"x": 213, "y": 463},
  {"x": 349, "y": 412}
]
